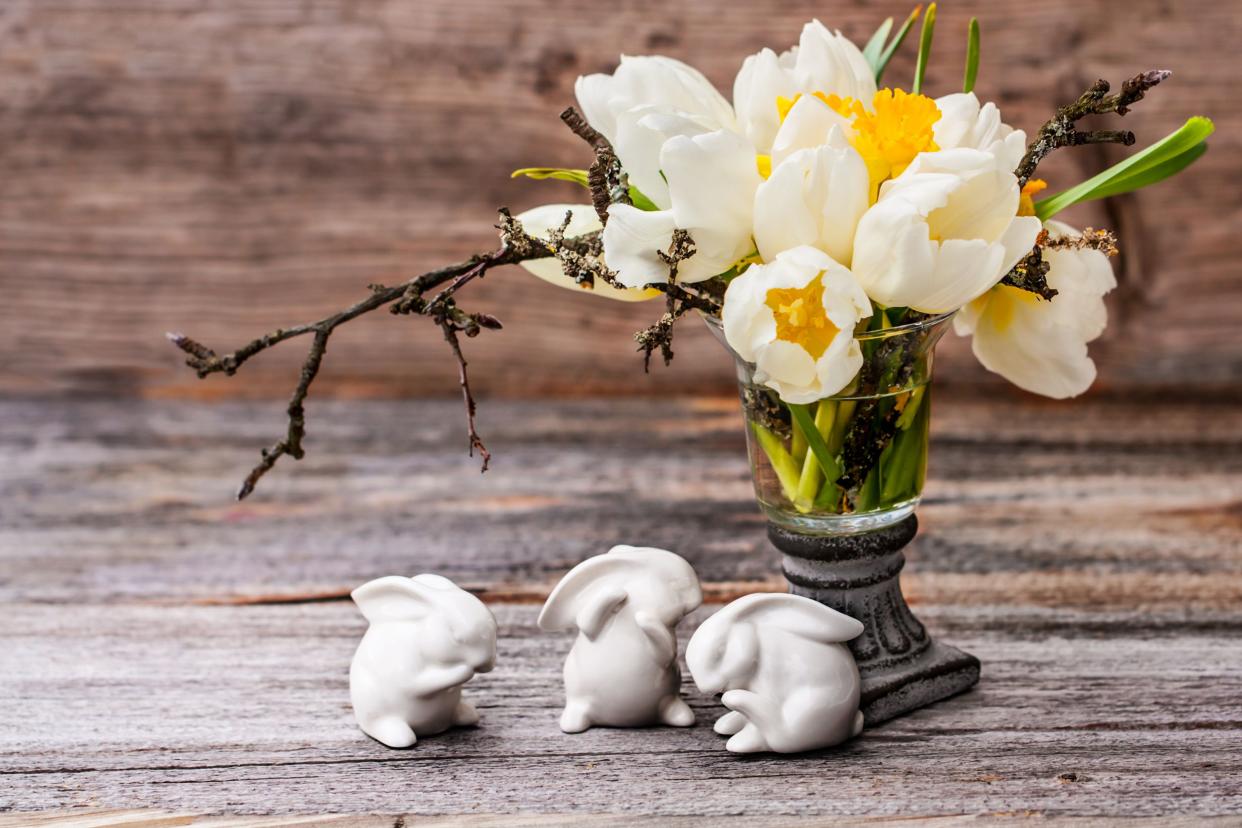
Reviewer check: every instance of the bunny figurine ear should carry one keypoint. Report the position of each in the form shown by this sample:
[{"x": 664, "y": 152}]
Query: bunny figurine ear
[
  {"x": 393, "y": 598},
  {"x": 803, "y": 617},
  {"x": 586, "y": 596}
]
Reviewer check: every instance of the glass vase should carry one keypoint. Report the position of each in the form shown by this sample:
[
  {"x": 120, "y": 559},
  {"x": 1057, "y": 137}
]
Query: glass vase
[
  {"x": 838, "y": 480},
  {"x": 853, "y": 462}
]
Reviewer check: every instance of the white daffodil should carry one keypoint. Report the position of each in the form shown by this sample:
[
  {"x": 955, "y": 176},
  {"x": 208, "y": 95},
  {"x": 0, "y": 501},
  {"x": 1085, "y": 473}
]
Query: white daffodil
[
  {"x": 943, "y": 232},
  {"x": 823, "y": 61},
  {"x": 712, "y": 180},
  {"x": 1041, "y": 345},
  {"x": 794, "y": 318},
  {"x": 964, "y": 122},
  {"x": 646, "y": 101},
  {"x": 539, "y": 221},
  {"x": 814, "y": 197}
]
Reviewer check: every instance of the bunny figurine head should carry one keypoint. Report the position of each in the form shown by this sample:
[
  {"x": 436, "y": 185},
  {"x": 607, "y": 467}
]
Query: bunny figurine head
[
  {"x": 427, "y": 638},
  {"x": 785, "y": 672},
  {"x": 622, "y": 670}
]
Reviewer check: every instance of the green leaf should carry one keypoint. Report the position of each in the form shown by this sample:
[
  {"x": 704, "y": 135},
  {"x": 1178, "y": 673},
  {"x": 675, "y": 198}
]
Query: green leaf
[
  {"x": 558, "y": 173},
  {"x": 815, "y": 441},
  {"x": 1151, "y": 175},
  {"x": 925, "y": 44},
  {"x": 1162, "y": 159},
  {"x": 641, "y": 201},
  {"x": 580, "y": 177},
  {"x": 972, "y": 56},
  {"x": 876, "y": 44},
  {"x": 894, "y": 44}
]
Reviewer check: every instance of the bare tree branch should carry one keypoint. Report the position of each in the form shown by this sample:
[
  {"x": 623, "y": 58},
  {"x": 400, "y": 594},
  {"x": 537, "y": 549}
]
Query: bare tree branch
[
  {"x": 406, "y": 298},
  {"x": 606, "y": 179},
  {"x": 1062, "y": 129}
]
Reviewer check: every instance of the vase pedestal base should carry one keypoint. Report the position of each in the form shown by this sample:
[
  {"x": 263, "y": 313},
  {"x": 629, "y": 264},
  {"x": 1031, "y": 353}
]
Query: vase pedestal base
[{"x": 902, "y": 668}]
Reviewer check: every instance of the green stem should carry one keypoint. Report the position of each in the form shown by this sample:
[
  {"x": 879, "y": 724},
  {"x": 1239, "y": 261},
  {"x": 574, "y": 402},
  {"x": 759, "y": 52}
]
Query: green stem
[
  {"x": 808, "y": 483},
  {"x": 781, "y": 461}
]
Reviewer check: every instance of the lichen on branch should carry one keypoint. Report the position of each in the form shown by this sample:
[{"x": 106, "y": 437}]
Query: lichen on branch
[{"x": 1062, "y": 129}]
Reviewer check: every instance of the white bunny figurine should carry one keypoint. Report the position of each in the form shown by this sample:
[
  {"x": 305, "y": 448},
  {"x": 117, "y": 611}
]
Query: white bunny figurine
[
  {"x": 427, "y": 638},
  {"x": 622, "y": 670},
  {"x": 788, "y": 679}
]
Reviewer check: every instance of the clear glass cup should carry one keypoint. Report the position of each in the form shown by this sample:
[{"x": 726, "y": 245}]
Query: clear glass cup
[{"x": 873, "y": 436}]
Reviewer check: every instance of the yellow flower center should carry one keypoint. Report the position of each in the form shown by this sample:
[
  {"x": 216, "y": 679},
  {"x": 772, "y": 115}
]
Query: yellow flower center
[
  {"x": 801, "y": 318},
  {"x": 898, "y": 127},
  {"x": 1026, "y": 201},
  {"x": 1000, "y": 305}
]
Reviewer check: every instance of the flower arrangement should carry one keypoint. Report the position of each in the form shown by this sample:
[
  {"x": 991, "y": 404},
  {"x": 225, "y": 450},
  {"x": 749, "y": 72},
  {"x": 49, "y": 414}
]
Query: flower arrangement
[{"x": 830, "y": 229}]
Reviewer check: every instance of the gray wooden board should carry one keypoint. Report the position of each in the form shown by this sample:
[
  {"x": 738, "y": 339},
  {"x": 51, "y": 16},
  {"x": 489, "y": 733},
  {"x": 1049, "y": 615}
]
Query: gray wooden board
[
  {"x": 164, "y": 648},
  {"x": 245, "y": 709}
]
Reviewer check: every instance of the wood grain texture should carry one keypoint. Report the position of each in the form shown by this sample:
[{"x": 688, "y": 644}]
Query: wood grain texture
[
  {"x": 165, "y": 649},
  {"x": 225, "y": 167}
]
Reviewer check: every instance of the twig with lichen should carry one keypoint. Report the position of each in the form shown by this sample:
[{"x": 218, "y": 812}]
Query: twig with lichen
[{"x": 1062, "y": 129}]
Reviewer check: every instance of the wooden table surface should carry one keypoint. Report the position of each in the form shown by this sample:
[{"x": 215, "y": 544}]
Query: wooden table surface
[{"x": 165, "y": 648}]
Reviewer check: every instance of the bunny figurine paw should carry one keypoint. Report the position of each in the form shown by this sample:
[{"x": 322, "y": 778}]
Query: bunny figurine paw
[
  {"x": 622, "y": 669},
  {"x": 427, "y": 638},
  {"x": 788, "y": 679}
]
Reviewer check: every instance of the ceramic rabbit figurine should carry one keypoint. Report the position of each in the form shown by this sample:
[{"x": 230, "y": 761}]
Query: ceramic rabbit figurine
[
  {"x": 427, "y": 638},
  {"x": 622, "y": 670},
  {"x": 788, "y": 679}
]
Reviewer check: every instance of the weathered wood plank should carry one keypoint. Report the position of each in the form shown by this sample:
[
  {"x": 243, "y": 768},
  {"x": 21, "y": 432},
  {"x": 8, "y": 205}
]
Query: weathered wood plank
[
  {"x": 1107, "y": 500},
  {"x": 165, "y": 648},
  {"x": 226, "y": 168},
  {"x": 245, "y": 709}
]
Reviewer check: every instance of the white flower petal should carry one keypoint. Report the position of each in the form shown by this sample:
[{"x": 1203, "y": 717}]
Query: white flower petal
[
  {"x": 828, "y": 62},
  {"x": 641, "y": 134},
  {"x": 808, "y": 124},
  {"x": 761, "y": 80},
  {"x": 539, "y": 221},
  {"x": 712, "y": 180},
  {"x": 622, "y": 105},
  {"x": 632, "y": 239},
  {"x": 965, "y": 123},
  {"x": 815, "y": 197},
  {"x": 1040, "y": 345}
]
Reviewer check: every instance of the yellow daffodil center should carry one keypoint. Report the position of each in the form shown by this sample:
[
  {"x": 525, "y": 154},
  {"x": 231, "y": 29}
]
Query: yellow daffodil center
[
  {"x": 801, "y": 319},
  {"x": 1026, "y": 201},
  {"x": 889, "y": 135}
]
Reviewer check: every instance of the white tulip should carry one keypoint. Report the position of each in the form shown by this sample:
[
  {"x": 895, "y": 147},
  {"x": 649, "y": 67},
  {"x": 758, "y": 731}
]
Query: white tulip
[
  {"x": 964, "y": 122},
  {"x": 643, "y": 103},
  {"x": 712, "y": 180},
  {"x": 539, "y": 221},
  {"x": 794, "y": 318},
  {"x": 1040, "y": 345},
  {"x": 823, "y": 61},
  {"x": 814, "y": 197},
  {"x": 942, "y": 232},
  {"x": 808, "y": 124}
]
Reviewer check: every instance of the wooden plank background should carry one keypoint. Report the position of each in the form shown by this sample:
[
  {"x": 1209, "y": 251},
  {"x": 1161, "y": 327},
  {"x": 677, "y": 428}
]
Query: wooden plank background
[{"x": 223, "y": 167}]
